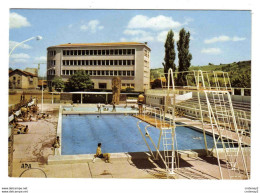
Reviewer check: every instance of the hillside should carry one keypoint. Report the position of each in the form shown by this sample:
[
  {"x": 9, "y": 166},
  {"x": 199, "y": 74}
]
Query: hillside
[{"x": 239, "y": 72}]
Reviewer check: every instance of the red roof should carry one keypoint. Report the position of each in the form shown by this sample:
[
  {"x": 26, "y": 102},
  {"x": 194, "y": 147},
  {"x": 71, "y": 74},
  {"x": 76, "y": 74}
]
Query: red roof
[{"x": 23, "y": 72}]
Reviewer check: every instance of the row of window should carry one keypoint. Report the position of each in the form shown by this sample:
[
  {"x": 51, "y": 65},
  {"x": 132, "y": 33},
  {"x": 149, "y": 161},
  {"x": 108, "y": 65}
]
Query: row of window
[
  {"x": 52, "y": 53},
  {"x": 98, "y": 52},
  {"x": 100, "y": 72},
  {"x": 51, "y": 62},
  {"x": 51, "y": 72},
  {"x": 128, "y": 85},
  {"x": 146, "y": 53},
  {"x": 29, "y": 78},
  {"x": 97, "y": 62},
  {"x": 124, "y": 85}
]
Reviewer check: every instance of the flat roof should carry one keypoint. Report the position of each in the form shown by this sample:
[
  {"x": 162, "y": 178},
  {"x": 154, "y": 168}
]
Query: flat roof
[{"x": 100, "y": 44}]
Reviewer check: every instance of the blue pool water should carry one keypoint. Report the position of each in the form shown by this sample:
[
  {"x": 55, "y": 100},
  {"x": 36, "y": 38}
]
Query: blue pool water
[
  {"x": 94, "y": 109},
  {"x": 118, "y": 133}
]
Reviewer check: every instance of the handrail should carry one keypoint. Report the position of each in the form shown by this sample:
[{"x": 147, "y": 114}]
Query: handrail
[{"x": 144, "y": 137}]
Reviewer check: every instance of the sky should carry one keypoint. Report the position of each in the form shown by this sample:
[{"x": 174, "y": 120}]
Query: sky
[{"x": 216, "y": 36}]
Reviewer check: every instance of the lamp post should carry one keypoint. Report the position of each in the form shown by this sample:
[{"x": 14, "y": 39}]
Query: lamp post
[
  {"x": 36, "y": 37},
  {"x": 42, "y": 82}
]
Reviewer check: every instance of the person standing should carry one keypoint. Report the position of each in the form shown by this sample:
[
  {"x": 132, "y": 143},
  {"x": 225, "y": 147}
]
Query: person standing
[
  {"x": 140, "y": 102},
  {"x": 99, "y": 107},
  {"x": 114, "y": 107}
]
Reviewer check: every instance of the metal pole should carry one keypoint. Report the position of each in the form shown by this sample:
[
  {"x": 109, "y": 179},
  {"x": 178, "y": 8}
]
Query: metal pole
[
  {"x": 81, "y": 98},
  {"x": 42, "y": 96}
]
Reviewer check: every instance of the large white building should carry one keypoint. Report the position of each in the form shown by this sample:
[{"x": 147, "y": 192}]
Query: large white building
[{"x": 102, "y": 61}]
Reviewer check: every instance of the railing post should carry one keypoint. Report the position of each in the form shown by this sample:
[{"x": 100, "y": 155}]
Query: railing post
[
  {"x": 242, "y": 92},
  {"x": 232, "y": 91}
]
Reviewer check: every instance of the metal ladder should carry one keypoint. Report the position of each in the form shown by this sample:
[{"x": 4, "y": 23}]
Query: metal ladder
[
  {"x": 169, "y": 137},
  {"x": 223, "y": 124}
]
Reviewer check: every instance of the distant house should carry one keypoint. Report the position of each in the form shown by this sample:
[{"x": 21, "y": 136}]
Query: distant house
[
  {"x": 19, "y": 79},
  {"x": 32, "y": 70},
  {"x": 42, "y": 83}
]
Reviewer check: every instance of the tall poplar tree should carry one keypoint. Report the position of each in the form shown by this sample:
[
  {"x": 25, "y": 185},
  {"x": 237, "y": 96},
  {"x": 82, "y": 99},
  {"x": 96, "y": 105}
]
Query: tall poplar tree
[
  {"x": 169, "y": 53},
  {"x": 184, "y": 56}
]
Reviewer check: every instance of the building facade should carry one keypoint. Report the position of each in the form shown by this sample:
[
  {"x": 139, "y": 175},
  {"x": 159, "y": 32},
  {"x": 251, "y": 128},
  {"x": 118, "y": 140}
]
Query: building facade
[
  {"x": 102, "y": 61},
  {"x": 19, "y": 79}
]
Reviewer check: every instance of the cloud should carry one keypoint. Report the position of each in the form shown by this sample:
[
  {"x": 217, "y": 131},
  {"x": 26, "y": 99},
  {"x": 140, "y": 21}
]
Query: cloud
[
  {"x": 142, "y": 28},
  {"x": 41, "y": 59},
  {"x": 18, "y": 21},
  {"x": 92, "y": 26},
  {"x": 161, "y": 37},
  {"x": 19, "y": 60},
  {"x": 20, "y": 56},
  {"x": 137, "y": 36},
  {"x": 84, "y": 27},
  {"x": 143, "y": 36},
  {"x": 223, "y": 38},
  {"x": 12, "y": 44},
  {"x": 188, "y": 20},
  {"x": 235, "y": 39},
  {"x": 135, "y": 32},
  {"x": 211, "y": 50},
  {"x": 123, "y": 40},
  {"x": 137, "y": 39},
  {"x": 159, "y": 22}
]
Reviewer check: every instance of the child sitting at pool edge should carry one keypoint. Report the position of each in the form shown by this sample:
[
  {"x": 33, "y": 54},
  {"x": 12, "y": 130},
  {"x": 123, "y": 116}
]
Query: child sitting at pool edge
[{"x": 99, "y": 154}]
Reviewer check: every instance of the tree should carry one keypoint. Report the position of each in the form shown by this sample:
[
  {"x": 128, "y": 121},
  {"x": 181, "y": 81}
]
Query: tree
[
  {"x": 184, "y": 56},
  {"x": 79, "y": 81},
  {"x": 58, "y": 83},
  {"x": 157, "y": 83},
  {"x": 169, "y": 53}
]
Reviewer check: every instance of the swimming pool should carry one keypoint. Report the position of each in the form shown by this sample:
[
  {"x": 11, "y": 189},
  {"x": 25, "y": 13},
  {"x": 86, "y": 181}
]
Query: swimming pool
[
  {"x": 94, "y": 109},
  {"x": 118, "y": 133}
]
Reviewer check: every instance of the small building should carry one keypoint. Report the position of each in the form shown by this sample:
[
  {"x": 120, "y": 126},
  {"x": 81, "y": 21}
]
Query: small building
[
  {"x": 42, "y": 83},
  {"x": 19, "y": 79}
]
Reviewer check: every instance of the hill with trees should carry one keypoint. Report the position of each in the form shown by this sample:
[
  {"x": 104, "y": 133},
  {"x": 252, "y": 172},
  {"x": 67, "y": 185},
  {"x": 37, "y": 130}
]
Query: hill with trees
[{"x": 239, "y": 72}]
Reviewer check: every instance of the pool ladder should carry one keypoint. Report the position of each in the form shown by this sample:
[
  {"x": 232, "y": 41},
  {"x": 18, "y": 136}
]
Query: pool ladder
[{"x": 169, "y": 137}]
